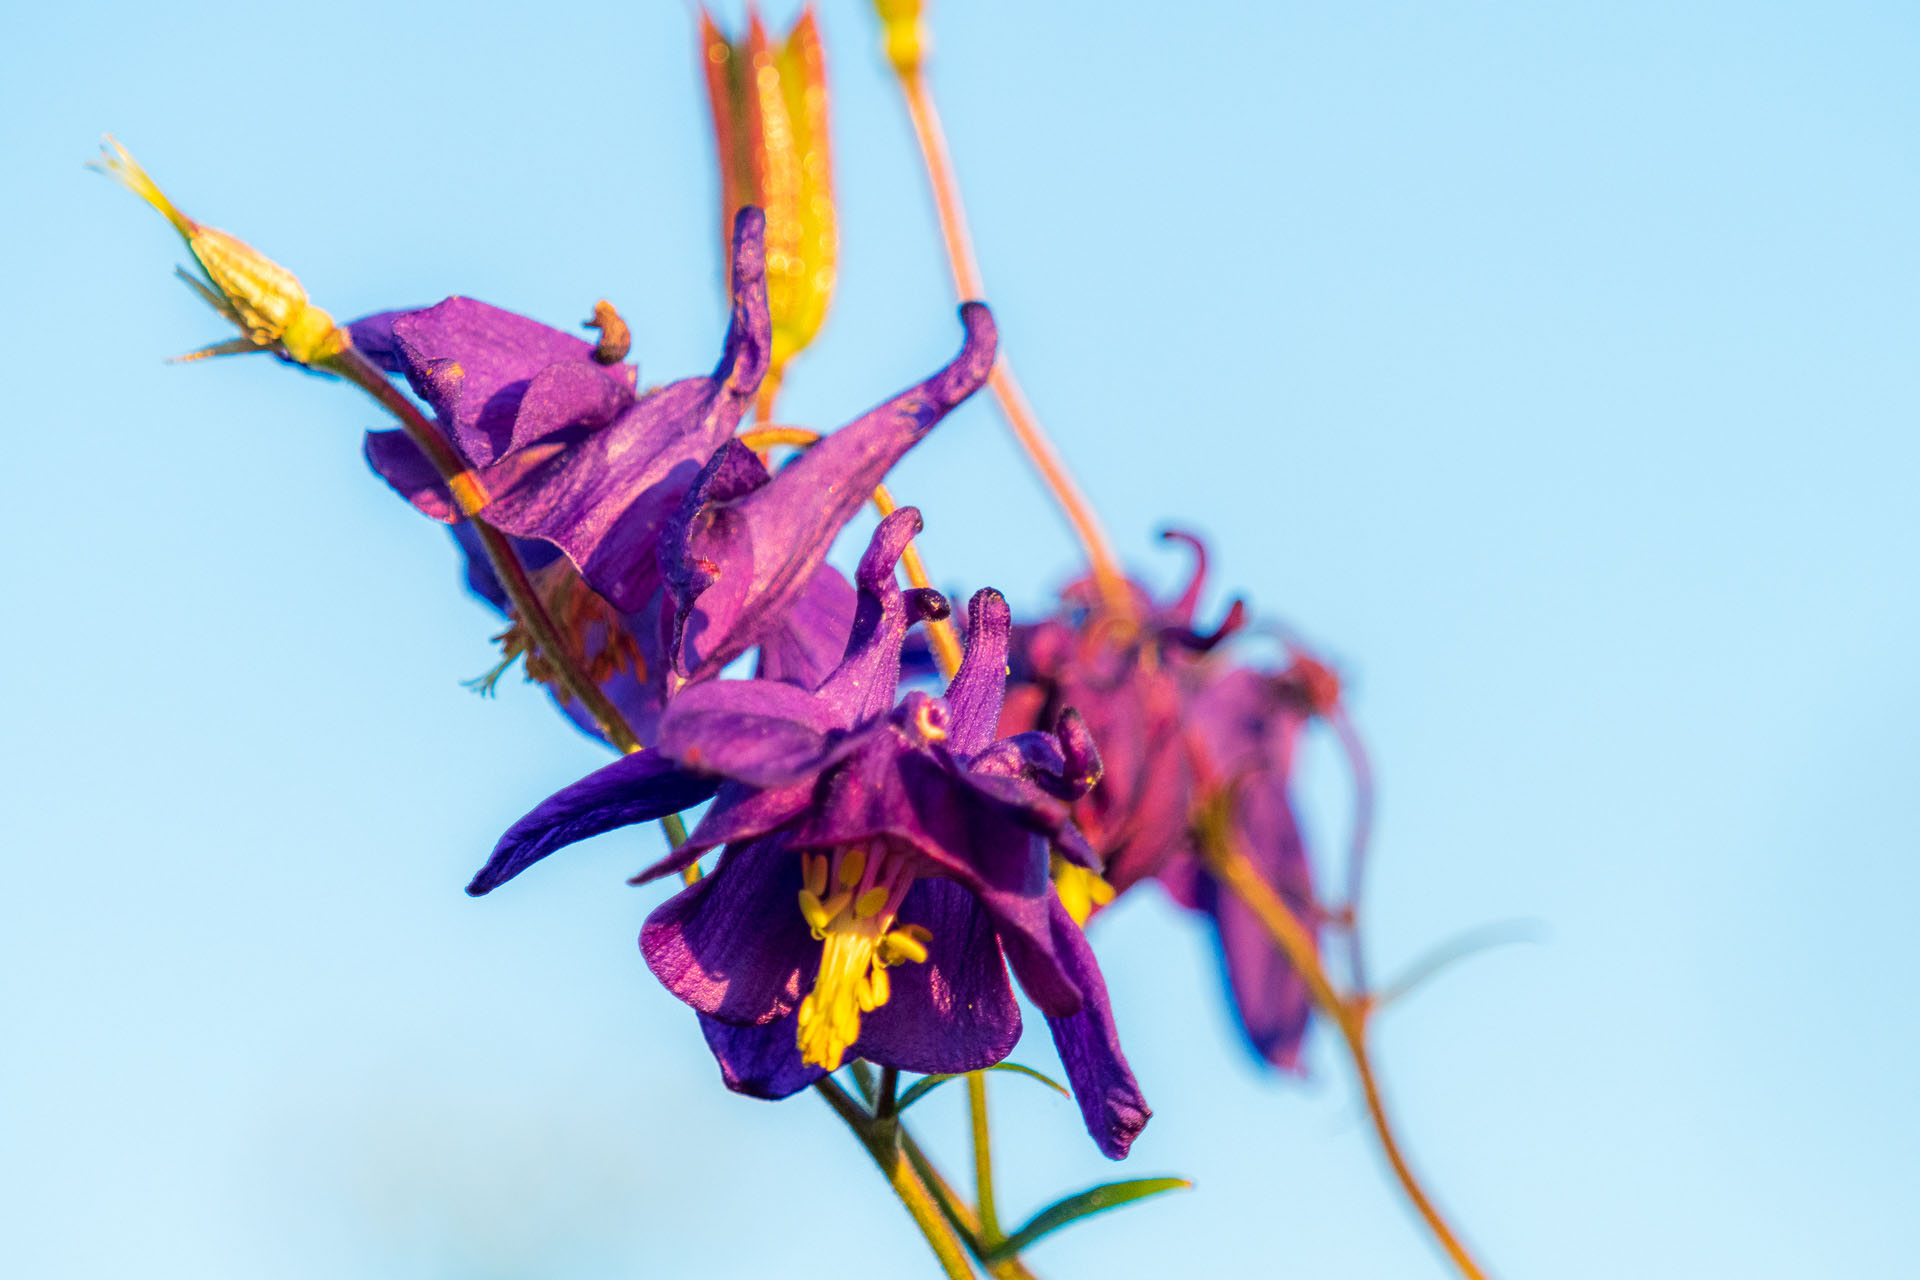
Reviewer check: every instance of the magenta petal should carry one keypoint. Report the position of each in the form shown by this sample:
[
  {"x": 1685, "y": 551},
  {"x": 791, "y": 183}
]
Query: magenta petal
[
  {"x": 733, "y": 944},
  {"x": 634, "y": 788},
  {"x": 980, "y": 685},
  {"x": 1089, "y": 1046},
  {"x": 761, "y": 1062},
  {"x": 956, "y": 1011},
  {"x": 1269, "y": 995}
]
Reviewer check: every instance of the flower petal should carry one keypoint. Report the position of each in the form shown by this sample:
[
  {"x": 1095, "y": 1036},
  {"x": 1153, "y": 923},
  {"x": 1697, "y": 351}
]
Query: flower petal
[
  {"x": 760, "y": 732},
  {"x": 954, "y": 1012},
  {"x": 980, "y": 685},
  {"x": 1270, "y": 997},
  {"x": 733, "y": 944},
  {"x": 761, "y": 1062},
  {"x": 1089, "y": 1045},
  {"x": 767, "y": 543},
  {"x": 864, "y": 684},
  {"x": 811, "y": 638},
  {"x": 634, "y": 788}
]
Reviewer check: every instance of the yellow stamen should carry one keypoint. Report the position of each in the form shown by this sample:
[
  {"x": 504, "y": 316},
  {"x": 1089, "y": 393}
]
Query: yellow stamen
[
  {"x": 858, "y": 943},
  {"x": 1081, "y": 891},
  {"x": 853, "y": 866}
]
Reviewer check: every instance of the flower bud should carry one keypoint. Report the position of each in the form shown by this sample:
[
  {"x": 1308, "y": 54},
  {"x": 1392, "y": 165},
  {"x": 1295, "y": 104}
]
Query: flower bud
[
  {"x": 770, "y": 127},
  {"x": 901, "y": 34},
  {"x": 262, "y": 298}
]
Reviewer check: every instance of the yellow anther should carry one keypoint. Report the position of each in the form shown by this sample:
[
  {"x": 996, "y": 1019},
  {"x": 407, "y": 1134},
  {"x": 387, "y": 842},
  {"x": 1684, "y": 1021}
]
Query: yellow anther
[
  {"x": 853, "y": 865},
  {"x": 880, "y": 985},
  {"x": 1080, "y": 890},
  {"x": 902, "y": 947},
  {"x": 870, "y": 902},
  {"x": 815, "y": 912},
  {"x": 814, "y": 870}
]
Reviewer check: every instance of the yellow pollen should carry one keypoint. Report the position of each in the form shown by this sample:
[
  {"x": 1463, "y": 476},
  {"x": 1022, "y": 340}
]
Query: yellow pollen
[
  {"x": 858, "y": 943},
  {"x": 1080, "y": 890}
]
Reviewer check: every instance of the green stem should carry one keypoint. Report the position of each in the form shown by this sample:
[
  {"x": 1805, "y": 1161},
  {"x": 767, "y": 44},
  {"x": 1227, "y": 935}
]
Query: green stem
[
  {"x": 900, "y": 1176},
  {"x": 982, "y": 1158},
  {"x": 960, "y": 1213}
]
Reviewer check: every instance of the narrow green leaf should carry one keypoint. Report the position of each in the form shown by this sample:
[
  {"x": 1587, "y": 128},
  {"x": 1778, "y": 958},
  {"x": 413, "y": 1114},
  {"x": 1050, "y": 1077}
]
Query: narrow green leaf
[
  {"x": 927, "y": 1084},
  {"x": 1073, "y": 1208}
]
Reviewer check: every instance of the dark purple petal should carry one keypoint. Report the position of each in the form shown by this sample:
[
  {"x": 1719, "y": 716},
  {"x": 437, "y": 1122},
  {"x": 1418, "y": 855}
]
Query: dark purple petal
[
  {"x": 863, "y": 686},
  {"x": 760, "y": 732},
  {"x": 955, "y": 1012},
  {"x": 761, "y": 1062},
  {"x": 743, "y": 561},
  {"x": 373, "y": 338},
  {"x": 739, "y": 813},
  {"x": 477, "y": 364},
  {"x": 980, "y": 685},
  {"x": 1089, "y": 1045},
  {"x": 634, "y": 788},
  {"x": 1026, "y": 931},
  {"x": 400, "y": 463},
  {"x": 811, "y": 638},
  {"x": 733, "y": 944}
]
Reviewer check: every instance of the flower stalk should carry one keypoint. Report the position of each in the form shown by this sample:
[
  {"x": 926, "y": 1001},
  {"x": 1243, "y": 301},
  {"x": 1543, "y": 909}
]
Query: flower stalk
[
  {"x": 901, "y": 1177},
  {"x": 1350, "y": 1014},
  {"x": 905, "y": 45}
]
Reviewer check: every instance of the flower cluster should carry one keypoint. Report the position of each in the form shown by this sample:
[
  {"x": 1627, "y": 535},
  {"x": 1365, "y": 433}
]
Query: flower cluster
[{"x": 875, "y": 867}]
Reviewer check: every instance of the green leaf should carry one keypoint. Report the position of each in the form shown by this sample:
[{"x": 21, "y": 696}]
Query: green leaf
[
  {"x": 1073, "y": 1208},
  {"x": 927, "y": 1084}
]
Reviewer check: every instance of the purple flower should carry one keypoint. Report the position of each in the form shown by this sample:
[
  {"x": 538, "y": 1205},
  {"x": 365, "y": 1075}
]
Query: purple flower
[
  {"x": 882, "y": 864},
  {"x": 1182, "y": 730},
  {"x": 682, "y": 553}
]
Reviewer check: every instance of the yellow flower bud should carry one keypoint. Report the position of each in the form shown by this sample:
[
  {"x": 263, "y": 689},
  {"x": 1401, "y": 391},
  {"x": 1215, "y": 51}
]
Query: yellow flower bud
[
  {"x": 901, "y": 34},
  {"x": 262, "y": 298},
  {"x": 770, "y": 127}
]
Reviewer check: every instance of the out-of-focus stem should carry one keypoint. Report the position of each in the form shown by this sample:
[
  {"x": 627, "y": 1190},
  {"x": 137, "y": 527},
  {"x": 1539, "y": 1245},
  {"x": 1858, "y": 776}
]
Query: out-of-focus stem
[
  {"x": 969, "y": 284},
  {"x": 902, "y": 1178},
  {"x": 1362, "y": 769},
  {"x": 1231, "y": 867}
]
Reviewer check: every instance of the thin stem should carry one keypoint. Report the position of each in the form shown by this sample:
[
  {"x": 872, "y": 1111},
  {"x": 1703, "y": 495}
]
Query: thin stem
[
  {"x": 969, "y": 284},
  {"x": 1362, "y": 769},
  {"x": 1231, "y": 867},
  {"x": 471, "y": 498},
  {"x": 900, "y": 1176},
  {"x": 960, "y": 1213},
  {"x": 888, "y": 1106},
  {"x": 982, "y": 1158}
]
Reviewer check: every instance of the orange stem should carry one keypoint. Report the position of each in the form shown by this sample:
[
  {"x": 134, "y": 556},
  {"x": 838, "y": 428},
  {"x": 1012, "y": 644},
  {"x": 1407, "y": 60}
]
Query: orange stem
[
  {"x": 1019, "y": 414},
  {"x": 1349, "y": 1013}
]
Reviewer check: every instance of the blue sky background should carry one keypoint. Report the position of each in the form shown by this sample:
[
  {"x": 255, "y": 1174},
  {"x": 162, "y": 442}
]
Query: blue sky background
[{"x": 1551, "y": 366}]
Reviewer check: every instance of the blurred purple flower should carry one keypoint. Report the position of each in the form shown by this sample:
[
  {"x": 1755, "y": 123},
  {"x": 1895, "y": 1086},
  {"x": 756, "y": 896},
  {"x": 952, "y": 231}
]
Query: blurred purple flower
[
  {"x": 1181, "y": 729},
  {"x": 882, "y": 864}
]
